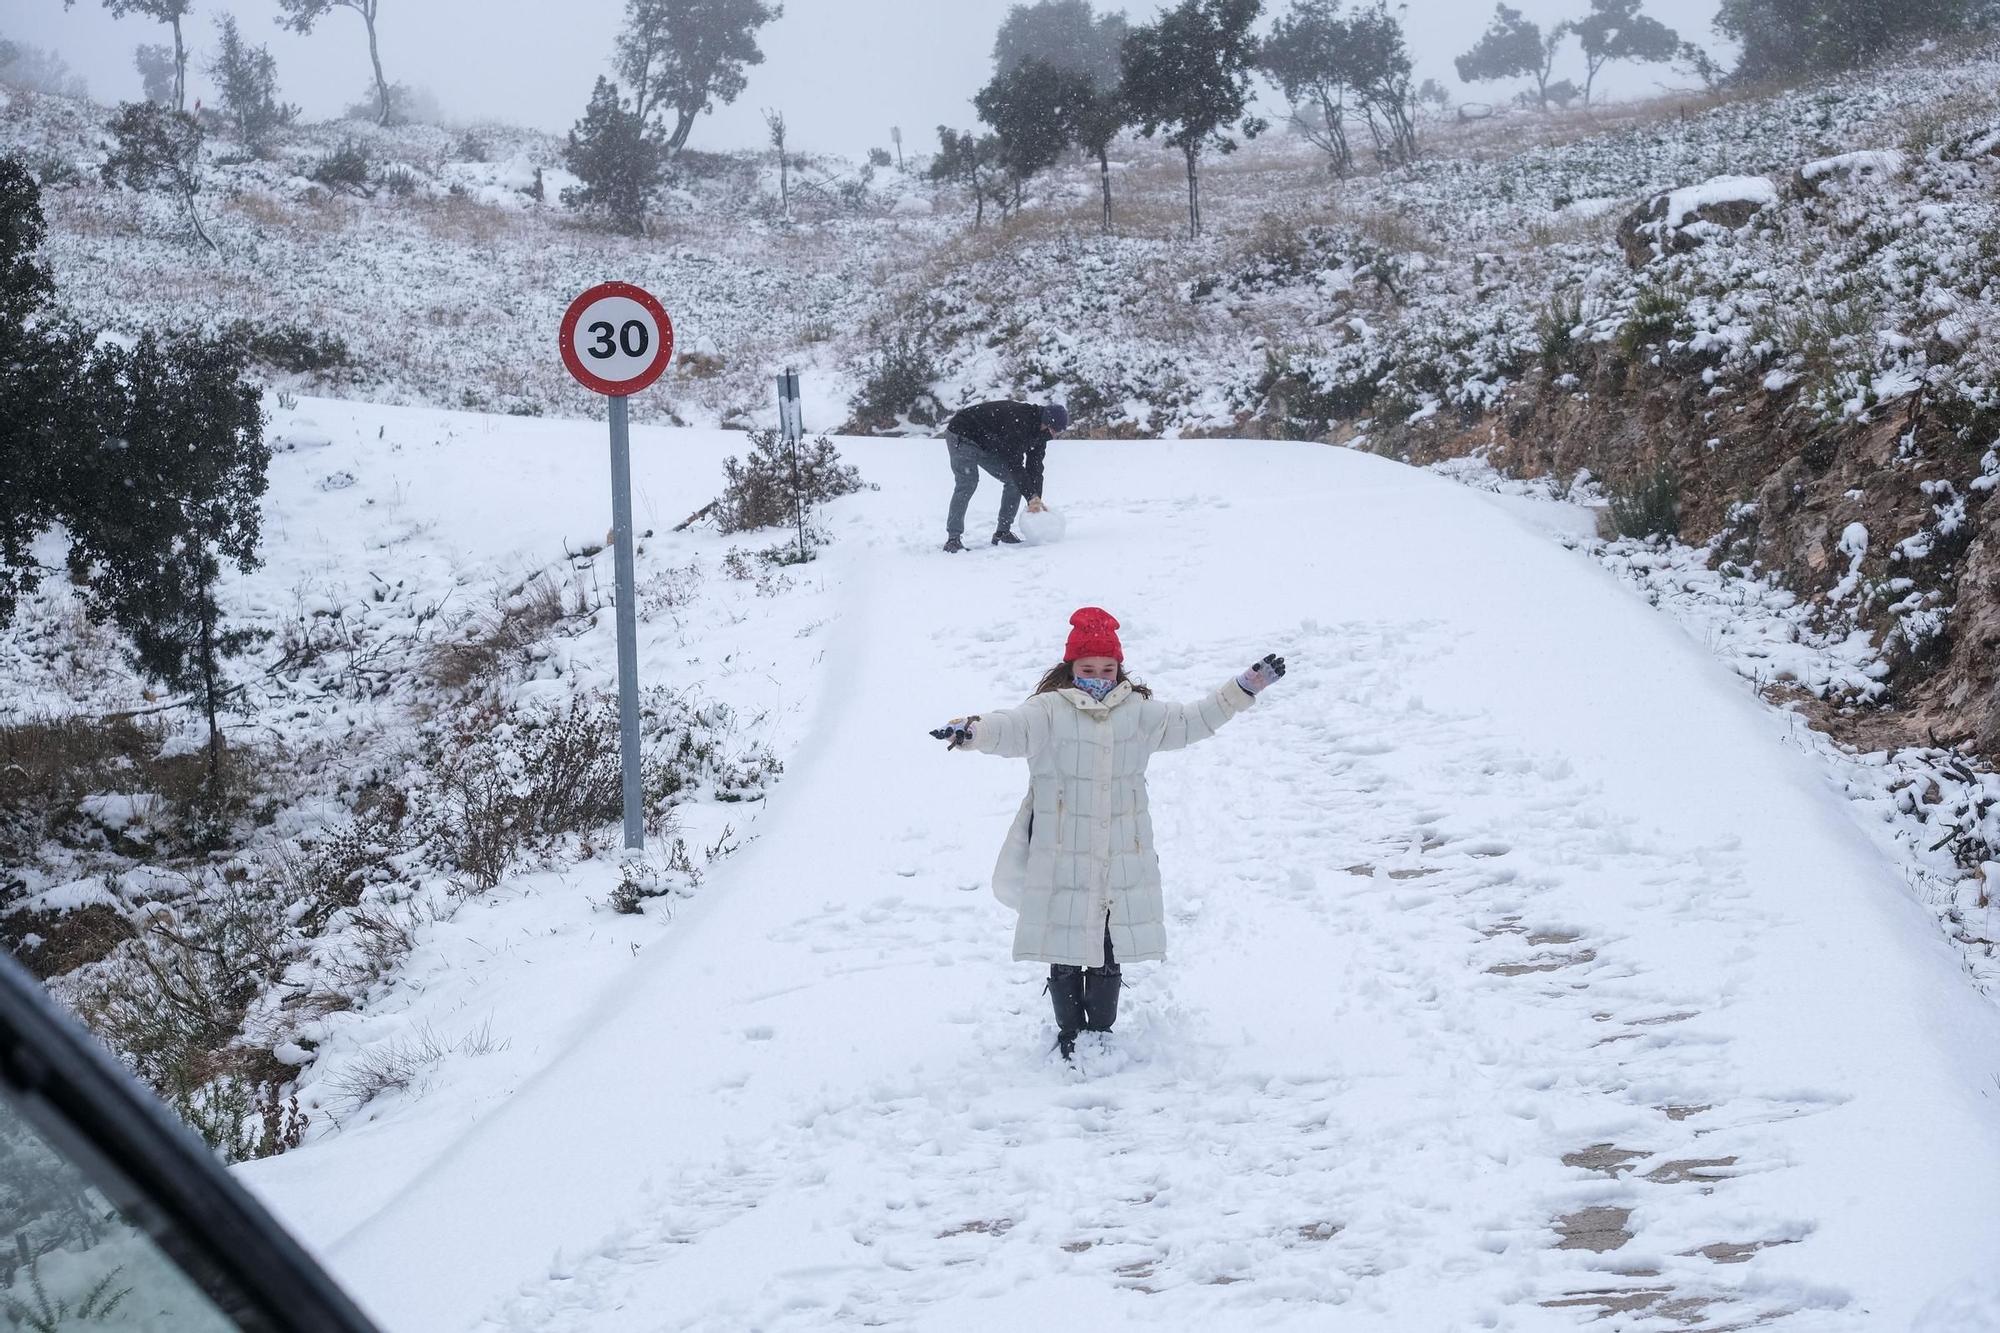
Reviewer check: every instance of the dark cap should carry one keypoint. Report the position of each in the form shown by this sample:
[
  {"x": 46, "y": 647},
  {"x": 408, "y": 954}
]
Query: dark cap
[{"x": 1055, "y": 416}]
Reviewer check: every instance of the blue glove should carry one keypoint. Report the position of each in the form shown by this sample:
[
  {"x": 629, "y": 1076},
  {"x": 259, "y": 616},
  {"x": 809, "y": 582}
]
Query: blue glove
[{"x": 1262, "y": 674}]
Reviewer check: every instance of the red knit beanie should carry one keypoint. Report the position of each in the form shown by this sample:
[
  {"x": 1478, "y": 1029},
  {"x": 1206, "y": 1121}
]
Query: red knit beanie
[{"x": 1093, "y": 633}]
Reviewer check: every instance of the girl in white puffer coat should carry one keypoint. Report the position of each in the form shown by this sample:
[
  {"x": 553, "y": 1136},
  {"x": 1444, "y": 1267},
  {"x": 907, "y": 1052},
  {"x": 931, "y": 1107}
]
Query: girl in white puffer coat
[{"x": 1079, "y": 863}]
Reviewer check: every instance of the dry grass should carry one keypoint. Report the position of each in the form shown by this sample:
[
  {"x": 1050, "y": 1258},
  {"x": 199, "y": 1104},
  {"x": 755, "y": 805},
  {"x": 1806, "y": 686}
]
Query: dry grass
[
  {"x": 1928, "y": 127},
  {"x": 90, "y": 213},
  {"x": 1515, "y": 129},
  {"x": 320, "y": 213},
  {"x": 1572, "y": 229},
  {"x": 462, "y": 221},
  {"x": 68, "y": 940},
  {"x": 406, "y": 1063},
  {"x": 48, "y": 765},
  {"x": 518, "y": 619}
]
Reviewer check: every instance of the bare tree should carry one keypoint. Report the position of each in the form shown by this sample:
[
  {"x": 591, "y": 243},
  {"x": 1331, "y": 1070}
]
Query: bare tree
[
  {"x": 301, "y": 15},
  {"x": 169, "y": 12}
]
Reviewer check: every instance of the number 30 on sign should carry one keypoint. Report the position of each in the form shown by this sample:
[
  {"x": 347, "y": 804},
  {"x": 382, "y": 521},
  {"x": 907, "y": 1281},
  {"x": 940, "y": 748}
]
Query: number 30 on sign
[{"x": 617, "y": 339}]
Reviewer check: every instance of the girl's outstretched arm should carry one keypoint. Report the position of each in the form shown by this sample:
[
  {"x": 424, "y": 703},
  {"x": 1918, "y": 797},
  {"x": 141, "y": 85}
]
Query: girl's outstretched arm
[
  {"x": 1177, "y": 726},
  {"x": 1171, "y": 726},
  {"x": 1011, "y": 733}
]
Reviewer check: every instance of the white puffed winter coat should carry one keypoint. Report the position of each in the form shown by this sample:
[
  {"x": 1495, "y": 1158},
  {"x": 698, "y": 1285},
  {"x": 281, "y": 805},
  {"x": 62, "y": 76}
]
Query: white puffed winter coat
[{"x": 1081, "y": 848}]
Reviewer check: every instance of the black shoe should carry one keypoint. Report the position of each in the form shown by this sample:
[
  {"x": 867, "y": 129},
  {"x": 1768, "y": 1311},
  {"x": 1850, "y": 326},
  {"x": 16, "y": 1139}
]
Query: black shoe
[
  {"x": 1066, "y": 1043},
  {"x": 953, "y": 544},
  {"x": 1005, "y": 538},
  {"x": 1100, "y": 997}
]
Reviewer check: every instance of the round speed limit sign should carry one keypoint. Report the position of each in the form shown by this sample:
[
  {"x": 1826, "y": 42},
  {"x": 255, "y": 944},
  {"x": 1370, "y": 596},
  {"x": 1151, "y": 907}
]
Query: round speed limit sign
[{"x": 617, "y": 339}]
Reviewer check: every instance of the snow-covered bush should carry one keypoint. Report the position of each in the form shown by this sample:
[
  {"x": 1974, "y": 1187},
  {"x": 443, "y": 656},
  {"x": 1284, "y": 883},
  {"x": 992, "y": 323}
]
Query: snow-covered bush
[
  {"x": 776, "y": 487},
  {"x": 174, "y": 1001},
  {"x": 344, "y": 170},
  {"x": 1650, "y": 507},
  {"x": 898, "y": 382},
  {"x": 506, "y": 784}
]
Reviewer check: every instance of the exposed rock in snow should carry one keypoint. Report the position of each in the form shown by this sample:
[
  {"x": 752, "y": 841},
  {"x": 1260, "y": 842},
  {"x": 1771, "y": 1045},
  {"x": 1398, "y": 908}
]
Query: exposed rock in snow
[{"x": 1679, "y": 220}]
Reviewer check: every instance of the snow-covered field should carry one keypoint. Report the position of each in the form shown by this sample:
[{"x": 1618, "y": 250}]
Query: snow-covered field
[{"x": 1520, "y": 971}]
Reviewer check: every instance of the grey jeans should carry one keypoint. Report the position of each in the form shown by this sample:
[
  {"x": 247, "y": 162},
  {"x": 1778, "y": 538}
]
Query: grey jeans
[{"x": 966, "y": 461}]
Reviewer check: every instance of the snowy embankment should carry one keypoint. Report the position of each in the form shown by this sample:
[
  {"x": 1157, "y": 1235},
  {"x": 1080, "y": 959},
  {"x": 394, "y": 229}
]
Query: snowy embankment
[{"x": 1519, "y": 972}]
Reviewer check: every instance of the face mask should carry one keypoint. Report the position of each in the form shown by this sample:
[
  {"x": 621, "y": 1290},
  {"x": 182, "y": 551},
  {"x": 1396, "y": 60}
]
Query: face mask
[{"x": 1096, "y": 689}]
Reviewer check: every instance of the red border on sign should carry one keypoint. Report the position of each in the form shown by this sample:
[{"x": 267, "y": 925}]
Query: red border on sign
[{"x": 641, "y": 381}]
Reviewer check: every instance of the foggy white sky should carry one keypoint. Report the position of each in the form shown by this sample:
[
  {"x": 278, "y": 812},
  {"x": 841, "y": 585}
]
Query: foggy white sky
[{"x": 843, "y": 71}]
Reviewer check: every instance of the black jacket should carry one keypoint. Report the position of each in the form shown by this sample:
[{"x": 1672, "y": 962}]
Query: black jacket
[{"x": 1012, "y": 434}]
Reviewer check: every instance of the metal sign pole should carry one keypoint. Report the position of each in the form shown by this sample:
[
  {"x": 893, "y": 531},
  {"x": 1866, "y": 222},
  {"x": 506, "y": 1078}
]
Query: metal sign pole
[
  {"x": 628, "y": 622},
  {"x": 791, "y": 426},
  {"x": 617, "y": 340}
]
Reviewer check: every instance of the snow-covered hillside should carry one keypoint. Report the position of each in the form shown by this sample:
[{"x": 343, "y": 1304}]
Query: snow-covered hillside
[
  {"x": 1520, "y": 972},
  {"x": 1348, "y": 298}
]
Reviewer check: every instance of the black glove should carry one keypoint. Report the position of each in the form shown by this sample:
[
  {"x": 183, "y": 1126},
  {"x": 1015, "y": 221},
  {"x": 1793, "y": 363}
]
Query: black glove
[
  {"x": 956, "y": 733},
  {"x": 1262, "y": 674}
]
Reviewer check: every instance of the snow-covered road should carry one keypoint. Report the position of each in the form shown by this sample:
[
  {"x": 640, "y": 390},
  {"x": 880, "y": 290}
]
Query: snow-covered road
[{"x": 1519, "y": 974}]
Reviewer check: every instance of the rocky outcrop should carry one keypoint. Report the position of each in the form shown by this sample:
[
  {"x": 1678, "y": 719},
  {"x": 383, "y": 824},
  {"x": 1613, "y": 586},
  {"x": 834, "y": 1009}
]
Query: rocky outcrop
[
  {"x": 1679, "y": 220},
  {"x": 1781, "y": 493}
]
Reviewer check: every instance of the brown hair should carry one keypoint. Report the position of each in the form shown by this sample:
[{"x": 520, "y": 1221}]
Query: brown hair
[{"x": 1063, "y": 675}]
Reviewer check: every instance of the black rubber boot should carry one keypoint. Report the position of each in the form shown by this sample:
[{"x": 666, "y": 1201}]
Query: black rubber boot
[
  {"x": 1066, "y": 993},
  {"x": 1100, "y": 997}
]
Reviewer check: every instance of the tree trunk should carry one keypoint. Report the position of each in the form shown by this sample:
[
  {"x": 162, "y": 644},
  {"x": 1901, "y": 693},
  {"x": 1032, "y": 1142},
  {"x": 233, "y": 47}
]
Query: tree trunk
[
  {"x": 375, "y": 56},
  {"x": 1104, "y": 176},
  {"x": 211, "y": 690},
  {"x": 642, "y": 95},
  {"x": 194, "y": 220},
  {"x": 180, "y": 68},
  {"x": 1402, "y": 131},
  {"x": 1194, "y": 191},
  {"x": 1336, "y": 135},
  {"x": 1375, "y": 133},
  {"x": 683, "y": 124},
  {"x": 187, "y": 182}
]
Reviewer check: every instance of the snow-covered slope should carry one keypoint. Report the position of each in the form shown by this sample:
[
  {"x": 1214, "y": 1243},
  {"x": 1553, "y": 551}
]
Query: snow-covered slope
[{"x": 1519, "y": 972}]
